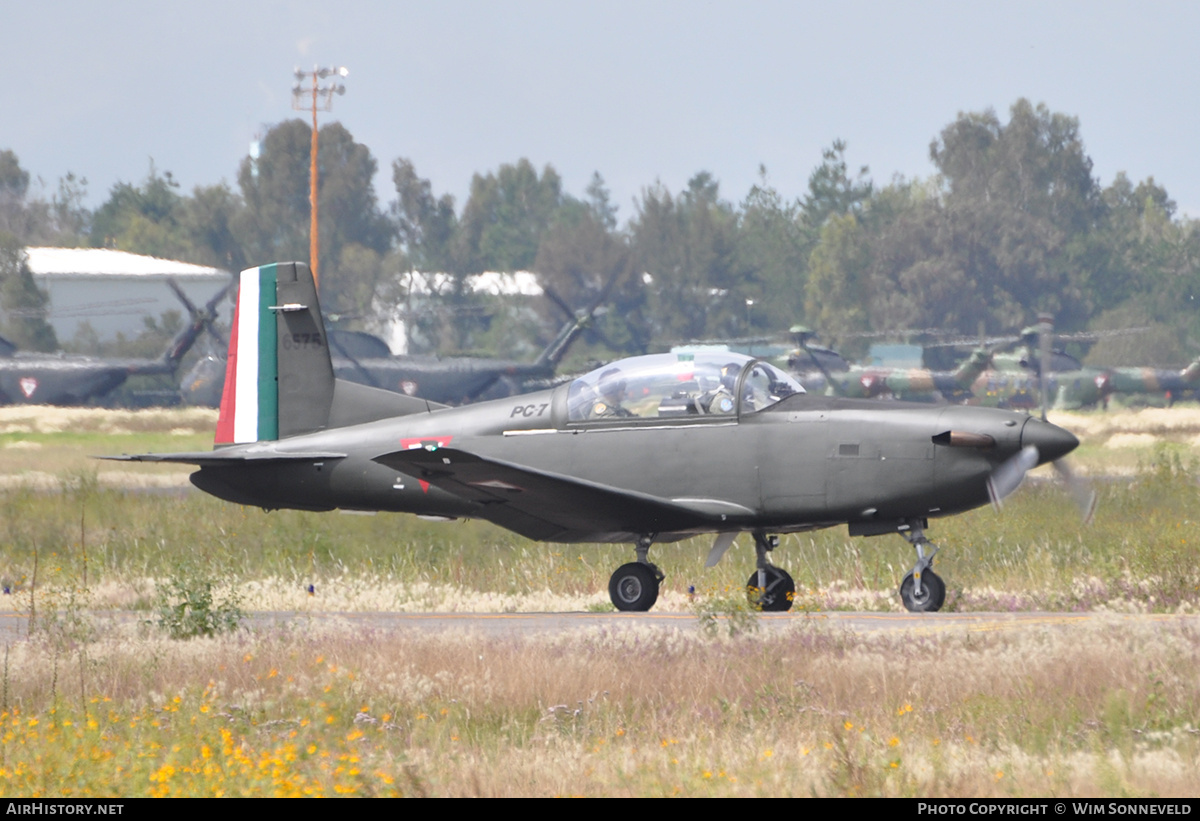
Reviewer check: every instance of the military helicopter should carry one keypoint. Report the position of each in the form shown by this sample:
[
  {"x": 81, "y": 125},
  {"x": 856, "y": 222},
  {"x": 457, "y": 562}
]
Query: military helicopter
[
  {"x": 873, "y": 382},
  {"x": 454, "y": 380},
  {"x": 63, "y": 379},
  {"x": 650, "y": 449},
  {"x": 1157, "y": 381},
  {"x": 1015, "y": 379}
]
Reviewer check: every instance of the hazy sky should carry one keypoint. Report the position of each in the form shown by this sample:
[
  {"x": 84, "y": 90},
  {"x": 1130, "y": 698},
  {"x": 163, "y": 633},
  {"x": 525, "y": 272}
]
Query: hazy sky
[{"x": 639, "y": 91}]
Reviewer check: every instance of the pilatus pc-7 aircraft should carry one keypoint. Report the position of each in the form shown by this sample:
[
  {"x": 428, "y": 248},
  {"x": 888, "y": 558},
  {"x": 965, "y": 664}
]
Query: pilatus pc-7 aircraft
[{"x": 650, "y": 449}]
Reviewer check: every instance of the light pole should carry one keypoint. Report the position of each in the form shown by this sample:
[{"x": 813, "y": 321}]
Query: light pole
[{"x": 321, "y": 100}]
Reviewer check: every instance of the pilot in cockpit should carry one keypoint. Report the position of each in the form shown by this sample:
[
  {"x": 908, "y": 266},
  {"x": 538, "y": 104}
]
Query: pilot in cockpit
[
  {"x": 720, "y": 400},
  {"x": 611, "y": 388}
]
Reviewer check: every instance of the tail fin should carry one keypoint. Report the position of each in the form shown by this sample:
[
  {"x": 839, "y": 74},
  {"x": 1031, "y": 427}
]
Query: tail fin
[
  {"x": 1191, "y": 374},
  {"x": 278, "y": 376}
]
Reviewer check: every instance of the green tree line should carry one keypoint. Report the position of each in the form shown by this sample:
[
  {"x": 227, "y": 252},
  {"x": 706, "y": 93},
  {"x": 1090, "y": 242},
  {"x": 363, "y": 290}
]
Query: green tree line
[{"x": 1010, "y": 222}]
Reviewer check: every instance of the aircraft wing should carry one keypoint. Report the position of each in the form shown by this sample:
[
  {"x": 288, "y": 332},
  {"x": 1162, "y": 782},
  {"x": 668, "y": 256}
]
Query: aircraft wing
[
  {"x": 216, "y": 458},
  {"x": 542, "y": 505}
]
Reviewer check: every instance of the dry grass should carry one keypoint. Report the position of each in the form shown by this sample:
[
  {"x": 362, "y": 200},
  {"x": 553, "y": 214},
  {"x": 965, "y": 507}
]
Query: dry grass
[
  {"x": 1102, "y": 710},
  {"x": 38, "y": 444},
  {"x": 1120, "y": 440},
  {"x": 47, "y": 419}
]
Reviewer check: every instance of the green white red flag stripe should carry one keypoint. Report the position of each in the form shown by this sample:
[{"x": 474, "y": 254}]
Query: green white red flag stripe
[{"x": 250, "y": 403}]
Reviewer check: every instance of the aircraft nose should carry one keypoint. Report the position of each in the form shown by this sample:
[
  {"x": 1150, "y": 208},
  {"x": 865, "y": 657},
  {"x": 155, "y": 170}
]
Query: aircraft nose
[{"x": 1051, "y": 441}]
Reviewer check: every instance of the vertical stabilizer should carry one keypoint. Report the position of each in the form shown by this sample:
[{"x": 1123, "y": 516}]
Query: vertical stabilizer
[{"x": 278, "y": 375}]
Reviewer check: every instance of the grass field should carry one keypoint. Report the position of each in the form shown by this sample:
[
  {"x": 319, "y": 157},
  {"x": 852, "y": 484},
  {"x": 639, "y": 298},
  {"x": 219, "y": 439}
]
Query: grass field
[{"x": 324, "y": 709}]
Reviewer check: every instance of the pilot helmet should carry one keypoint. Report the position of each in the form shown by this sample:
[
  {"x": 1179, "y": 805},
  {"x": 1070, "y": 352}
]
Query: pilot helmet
[
  {"x": 729, "y": 375},
  {"x": 611, "y": 385}
]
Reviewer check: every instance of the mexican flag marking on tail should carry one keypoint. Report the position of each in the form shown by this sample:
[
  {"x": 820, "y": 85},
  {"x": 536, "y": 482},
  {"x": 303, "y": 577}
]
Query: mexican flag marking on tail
[{"x": 250, "y": 402}]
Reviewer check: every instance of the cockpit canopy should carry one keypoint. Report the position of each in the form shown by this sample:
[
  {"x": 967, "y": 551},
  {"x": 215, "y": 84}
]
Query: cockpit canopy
[{"x": 674, "y": 385}]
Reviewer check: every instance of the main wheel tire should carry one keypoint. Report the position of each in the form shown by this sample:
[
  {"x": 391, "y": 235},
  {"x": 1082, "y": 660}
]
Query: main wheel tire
[
  {"x": 634, "y": 587},
  {"x": 933, "y": 593},
  {"x": 777, "y": 595}
]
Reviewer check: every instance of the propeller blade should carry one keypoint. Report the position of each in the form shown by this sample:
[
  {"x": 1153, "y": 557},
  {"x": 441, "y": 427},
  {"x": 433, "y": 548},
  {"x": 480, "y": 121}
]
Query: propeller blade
[
  {"x": 1009, "y": 475},
  {"x": 1081, "y": 490}
]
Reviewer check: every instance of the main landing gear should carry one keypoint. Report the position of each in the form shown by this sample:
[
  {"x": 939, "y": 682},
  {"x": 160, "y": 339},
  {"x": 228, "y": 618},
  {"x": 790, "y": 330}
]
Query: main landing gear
[
  {"x": 922, "y": 590},
  {"x": 770, "y": 588},
  {"x": 634, "y": 586}
]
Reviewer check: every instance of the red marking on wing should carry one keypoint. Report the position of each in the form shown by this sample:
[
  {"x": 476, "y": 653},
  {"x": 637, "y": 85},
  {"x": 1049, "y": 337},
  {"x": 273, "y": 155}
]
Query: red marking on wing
[{"x": 413, "y": 442}]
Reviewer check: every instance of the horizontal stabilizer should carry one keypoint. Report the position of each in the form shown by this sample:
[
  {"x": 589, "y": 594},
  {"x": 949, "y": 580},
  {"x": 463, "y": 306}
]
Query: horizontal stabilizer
[
  {"x": 220, "y": 458},
  {"x": 550, "y": 505}
]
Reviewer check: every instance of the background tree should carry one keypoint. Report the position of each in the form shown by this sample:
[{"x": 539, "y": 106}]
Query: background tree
[
  {"x": 1019, "y": 199},
  {"x": 581, "y": 257},
  {"x": 425, "y": 224},
  {"x": 27, "y": 215},
  {"x": 505, "y": 216},
  {"x": 275, "y": 222},
  {"x": 14, "y": 184},
  {"x": 685, "y": 247},
  {"x": 22, "y": 302},
  {"x": 832, "y": 192},
  {"x": 773, "y": 251},
  {"x": 143, "y": 219},
  {"x": 1001, "y": 233},
  {"x": 210, "y": 219}
]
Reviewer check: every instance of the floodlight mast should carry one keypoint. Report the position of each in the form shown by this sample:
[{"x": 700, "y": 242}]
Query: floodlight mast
[{"x": 322, "y": 100}]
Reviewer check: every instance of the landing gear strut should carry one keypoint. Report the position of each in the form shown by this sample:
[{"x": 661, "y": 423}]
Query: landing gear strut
[
  {"x": 770, "y": 588},
  {"x": 634, "y": 586},
  {"x": 922, "y": 590}
]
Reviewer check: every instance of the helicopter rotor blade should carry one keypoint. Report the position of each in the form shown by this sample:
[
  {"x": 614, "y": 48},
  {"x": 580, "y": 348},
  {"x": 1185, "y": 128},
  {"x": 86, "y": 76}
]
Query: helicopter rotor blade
[{"x": 559, "y": 302}]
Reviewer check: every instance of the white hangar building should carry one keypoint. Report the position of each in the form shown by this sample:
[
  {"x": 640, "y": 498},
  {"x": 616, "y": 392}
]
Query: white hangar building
[{"x": 114, "y": 291}]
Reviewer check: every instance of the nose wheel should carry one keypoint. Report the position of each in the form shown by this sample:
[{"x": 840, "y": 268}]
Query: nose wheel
[
  {"x": 922, "y": 590},
  {"x": 929, "y": 598}
]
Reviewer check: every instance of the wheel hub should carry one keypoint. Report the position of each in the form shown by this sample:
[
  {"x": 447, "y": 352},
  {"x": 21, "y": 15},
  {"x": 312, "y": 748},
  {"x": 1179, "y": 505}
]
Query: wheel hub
[{"x": 630, "y": 589}]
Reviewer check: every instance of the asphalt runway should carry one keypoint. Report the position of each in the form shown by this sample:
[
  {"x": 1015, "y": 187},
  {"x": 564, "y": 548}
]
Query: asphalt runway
[{"x": 15, "y": 626}]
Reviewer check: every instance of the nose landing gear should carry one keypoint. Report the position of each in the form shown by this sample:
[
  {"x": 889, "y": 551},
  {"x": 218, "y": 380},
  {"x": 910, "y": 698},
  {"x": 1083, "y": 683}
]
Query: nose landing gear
[{"x": 922, "y": 590}]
